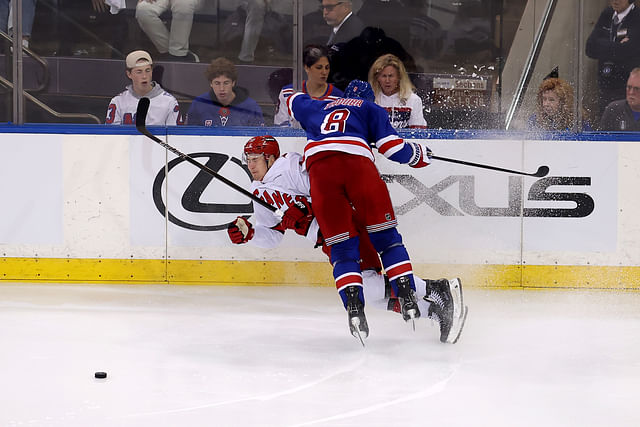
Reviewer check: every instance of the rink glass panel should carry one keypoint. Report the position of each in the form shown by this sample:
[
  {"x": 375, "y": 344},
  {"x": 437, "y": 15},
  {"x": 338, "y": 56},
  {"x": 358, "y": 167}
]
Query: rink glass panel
[{"x": 465, "y": 58}]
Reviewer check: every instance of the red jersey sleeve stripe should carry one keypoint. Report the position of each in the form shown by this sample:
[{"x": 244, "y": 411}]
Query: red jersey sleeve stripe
[{"x": 390, "y": 145}]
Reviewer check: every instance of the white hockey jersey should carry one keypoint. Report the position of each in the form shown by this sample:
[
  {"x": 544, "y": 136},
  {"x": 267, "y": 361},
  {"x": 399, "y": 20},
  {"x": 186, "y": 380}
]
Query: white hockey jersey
[
  {"x": 282, "y": 117},
  {"x": 403, "y": 114},
  {"x": 283, "y": 184},
  {"x": 163, "y": 110}
]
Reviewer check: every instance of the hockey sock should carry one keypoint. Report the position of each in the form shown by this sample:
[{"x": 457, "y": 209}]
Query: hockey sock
[
  {"x": 346, "y": 270},
  {"x": 396, "y": 268},
  {"x": 395, "y": 258}
]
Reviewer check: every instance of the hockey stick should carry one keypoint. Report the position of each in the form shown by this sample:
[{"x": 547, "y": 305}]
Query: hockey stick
[
  {"x": 141, "y": 116},
  {"x": 542, "y": 170}
]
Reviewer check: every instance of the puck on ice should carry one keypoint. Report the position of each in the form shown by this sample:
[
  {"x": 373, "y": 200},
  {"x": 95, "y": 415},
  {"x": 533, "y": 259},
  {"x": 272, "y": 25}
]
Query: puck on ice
[{"x": 100, "y": 375}]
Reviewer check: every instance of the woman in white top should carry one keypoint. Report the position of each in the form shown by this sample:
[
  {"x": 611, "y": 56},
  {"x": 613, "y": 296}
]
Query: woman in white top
[
  {"x": 394, "y": 92},
  {"x": 315, "y": 59}
]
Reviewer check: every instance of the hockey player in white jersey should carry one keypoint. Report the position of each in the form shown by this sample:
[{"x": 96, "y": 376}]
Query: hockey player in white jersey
[
  {"x": 163, "y": 110},
  {"x": 282, "y": 182},
  {"x": 279, "y": 181}
]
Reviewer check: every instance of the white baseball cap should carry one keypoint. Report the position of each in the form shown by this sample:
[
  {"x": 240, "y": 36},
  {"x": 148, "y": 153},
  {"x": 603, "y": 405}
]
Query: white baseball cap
[{"x": 138, "y": 58}]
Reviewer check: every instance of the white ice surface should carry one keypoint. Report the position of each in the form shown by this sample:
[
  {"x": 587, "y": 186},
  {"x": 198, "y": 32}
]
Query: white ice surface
[{"x": 278, "y": 356}]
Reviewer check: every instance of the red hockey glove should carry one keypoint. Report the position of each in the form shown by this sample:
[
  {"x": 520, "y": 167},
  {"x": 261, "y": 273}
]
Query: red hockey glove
[
  {"x": 303, "y": 224},
  {"x": 297, "y": 217},
  {"x": 421, "y": 155},
  {"x": 293, "y": 214},
  {"x": 240, "y": 231}
]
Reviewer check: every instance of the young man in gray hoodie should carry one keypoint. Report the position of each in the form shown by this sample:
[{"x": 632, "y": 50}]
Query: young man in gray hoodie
[{"x": 163, "y": 110}]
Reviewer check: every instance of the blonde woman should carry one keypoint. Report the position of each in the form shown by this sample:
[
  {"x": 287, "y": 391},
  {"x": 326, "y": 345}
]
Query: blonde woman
[{"x": 395, "y": 92}]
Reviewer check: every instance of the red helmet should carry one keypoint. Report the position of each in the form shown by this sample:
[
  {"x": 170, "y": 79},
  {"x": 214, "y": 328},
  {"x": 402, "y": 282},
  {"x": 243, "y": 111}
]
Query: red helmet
[{"x": 263, "y": 144}]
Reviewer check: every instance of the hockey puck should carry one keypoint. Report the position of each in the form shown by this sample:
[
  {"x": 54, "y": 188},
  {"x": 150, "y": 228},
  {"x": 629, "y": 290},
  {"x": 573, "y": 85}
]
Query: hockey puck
[{"x": 100, "y": 375}]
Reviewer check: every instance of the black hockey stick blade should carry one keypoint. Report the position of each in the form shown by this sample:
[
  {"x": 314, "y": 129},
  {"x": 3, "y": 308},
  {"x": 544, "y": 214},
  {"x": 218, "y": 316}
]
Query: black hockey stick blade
[
  {"x": 141, "y": 116},
  {"x": 141, "y": 112},
  {"x": 542, "y": 170}
]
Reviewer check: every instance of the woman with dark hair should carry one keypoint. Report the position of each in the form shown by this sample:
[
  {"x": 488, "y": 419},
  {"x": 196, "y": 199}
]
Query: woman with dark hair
[
  {"x": 554, "y": 107},
  {"x": 315, "y": 59}
]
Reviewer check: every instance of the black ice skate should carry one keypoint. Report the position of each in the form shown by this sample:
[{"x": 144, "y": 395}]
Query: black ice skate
[
  {"x": 355, "y": 310},
  {"x": 407, "y": 299},
  {"x": 447, "y": 307}
]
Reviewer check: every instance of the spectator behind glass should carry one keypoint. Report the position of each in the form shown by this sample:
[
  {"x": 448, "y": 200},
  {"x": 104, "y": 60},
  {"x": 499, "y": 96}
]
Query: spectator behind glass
[
  {"x": 345, "y": 25},
  {"x": 225, "y": 104},
  {"x": 554, "y": 107},
  {"x": 28, "y": 13},
  {"x": 174, "y": 44},
  {"x": 615, "y": 43},
  {"x": 315, "y": 59},
  {"x": 256, "y": 10},
  {"x": 624, "y": 114},
  {"x": 163, "y": 110},
  {"x": 395, "y": 92},
  {"x": 355, "y": 58}
]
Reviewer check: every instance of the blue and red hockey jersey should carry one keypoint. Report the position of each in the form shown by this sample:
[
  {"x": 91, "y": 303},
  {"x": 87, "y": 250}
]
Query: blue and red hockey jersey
[{"x": 348, "y": 125}]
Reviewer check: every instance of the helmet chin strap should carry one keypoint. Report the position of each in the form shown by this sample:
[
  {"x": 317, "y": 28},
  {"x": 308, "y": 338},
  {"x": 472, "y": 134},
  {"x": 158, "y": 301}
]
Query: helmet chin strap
[{"x": 270, "y": 161}]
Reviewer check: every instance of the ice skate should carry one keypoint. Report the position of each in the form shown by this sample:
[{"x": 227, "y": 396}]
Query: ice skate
[
  {"x": 355, "y": 310},
  {"x": 447, "y": 307},
  {"x": 407, "y": 299}
]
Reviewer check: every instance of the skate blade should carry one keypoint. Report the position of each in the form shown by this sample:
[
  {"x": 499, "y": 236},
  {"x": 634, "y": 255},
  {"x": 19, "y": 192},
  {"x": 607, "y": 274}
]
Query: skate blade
[
  {"x": 412, "y": 315},
  {"x": 355, "y": 331},
  {"x": 455, "y": 288},
  {"x": 456, "y": 327}
]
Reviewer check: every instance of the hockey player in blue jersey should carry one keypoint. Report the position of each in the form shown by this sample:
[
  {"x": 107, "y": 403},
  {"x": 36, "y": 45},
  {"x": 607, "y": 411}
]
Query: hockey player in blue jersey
[{"x": 343, "y": 176}]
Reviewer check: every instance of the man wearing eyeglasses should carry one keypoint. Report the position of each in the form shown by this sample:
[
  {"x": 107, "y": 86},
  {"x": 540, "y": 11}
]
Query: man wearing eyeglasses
[
  {"x": 624, "y": 114},
  {"x": 339, "y": 15},
  {"x": 345, "y": 26},
  {"x": 615, "y": 43}
]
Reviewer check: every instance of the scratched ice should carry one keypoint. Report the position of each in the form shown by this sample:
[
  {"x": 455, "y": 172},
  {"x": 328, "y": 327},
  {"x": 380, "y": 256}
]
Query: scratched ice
[{"x": 282, "y": 356}]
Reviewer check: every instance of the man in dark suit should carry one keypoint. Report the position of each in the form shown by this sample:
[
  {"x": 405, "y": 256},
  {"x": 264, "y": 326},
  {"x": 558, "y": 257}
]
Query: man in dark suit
[
  {"x": 345, "y": 26},
  {"x": 615, "y": 43},
  {"x": 356, "y": 57},
  {"x": 339, "y": 15}
]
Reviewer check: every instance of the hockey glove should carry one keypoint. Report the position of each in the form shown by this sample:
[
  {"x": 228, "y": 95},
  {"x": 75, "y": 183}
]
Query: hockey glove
[
  {"x": 303, "y": 224},
  {"x": 297, "y": 217},
  {"x": 421, "y": 155},
  {"x": 240, "y": 231}
]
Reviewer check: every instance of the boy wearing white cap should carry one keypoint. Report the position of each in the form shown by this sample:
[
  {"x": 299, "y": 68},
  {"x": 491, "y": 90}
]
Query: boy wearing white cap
[{"x": 163, "y": 110}]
